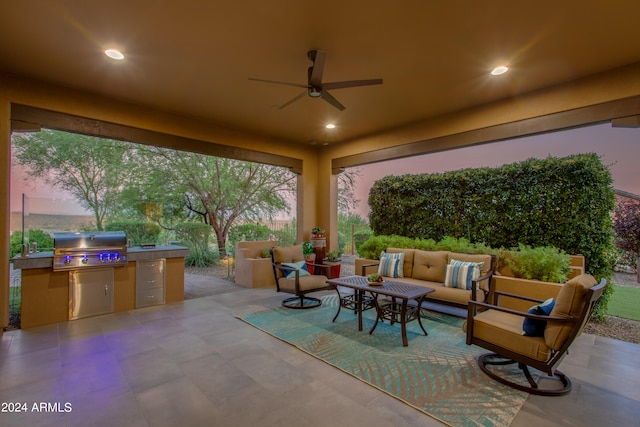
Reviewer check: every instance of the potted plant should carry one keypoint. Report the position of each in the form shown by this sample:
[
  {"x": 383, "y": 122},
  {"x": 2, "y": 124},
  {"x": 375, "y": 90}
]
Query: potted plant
[
  {"x": 333, "y": 256},
  {"x": 317, "y": 232},
  {"x": 266, "y": 252},
  {"x": 307, "y": 251},
  {"x": 375, "y": 279},
  {"x": 309, "y": 255}
]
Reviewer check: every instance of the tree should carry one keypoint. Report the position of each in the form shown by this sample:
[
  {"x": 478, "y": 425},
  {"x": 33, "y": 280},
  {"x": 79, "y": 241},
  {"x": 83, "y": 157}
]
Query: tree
[
  {"x": 627, "y": 227},
  {"x": 219, "y": 190},
  {"x": 89, "y": 168},
  {"x": 348, "y": 225},
  {"x": 347, "y": 181}
]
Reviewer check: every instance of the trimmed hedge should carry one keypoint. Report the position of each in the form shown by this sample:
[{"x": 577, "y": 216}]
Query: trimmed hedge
[{"x": 561, "y": 202}]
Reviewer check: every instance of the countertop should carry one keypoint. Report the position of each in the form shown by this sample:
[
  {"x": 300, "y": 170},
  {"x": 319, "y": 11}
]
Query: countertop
[{"x": 45, "y": 259}]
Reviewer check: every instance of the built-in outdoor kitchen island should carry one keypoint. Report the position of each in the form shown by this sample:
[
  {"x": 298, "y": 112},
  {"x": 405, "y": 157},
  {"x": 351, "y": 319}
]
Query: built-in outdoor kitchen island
[{"x": 81, "y": 283}]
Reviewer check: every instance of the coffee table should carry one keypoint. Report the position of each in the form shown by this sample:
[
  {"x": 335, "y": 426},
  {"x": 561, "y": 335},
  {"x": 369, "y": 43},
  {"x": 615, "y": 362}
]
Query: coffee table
[{"x": 392, "y": 311}]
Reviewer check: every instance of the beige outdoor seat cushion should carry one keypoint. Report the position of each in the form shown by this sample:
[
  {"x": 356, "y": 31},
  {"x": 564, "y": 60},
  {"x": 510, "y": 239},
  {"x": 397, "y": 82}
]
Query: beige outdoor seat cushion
[
  {"x": 505, "y": 330},
  {"x": 429, "y": 265},
  {"x": 569, "y": 303},
  {"x": 307, "y": 283},
  {"x": 287, "y": 254}
]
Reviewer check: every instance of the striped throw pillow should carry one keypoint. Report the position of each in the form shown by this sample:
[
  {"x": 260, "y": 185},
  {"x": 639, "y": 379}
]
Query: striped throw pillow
[
  {"x": 391, "y": 265},
  {"x": 459, "y": 274}
]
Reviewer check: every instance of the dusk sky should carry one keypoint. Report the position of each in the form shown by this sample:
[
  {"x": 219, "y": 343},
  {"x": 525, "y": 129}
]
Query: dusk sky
[{"x": 619, "y": 149}]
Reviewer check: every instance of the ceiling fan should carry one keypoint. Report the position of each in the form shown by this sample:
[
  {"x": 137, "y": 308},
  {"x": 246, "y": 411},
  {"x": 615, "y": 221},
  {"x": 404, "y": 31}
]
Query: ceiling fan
[{"x": 315, "y": 88}]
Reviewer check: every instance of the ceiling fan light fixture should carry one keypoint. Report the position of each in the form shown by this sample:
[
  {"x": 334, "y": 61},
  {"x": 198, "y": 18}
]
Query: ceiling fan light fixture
[
  {"x": 330, "y": 126},
  {"x": 314, "y": 93},
  {"x": 499, "y": 70}
]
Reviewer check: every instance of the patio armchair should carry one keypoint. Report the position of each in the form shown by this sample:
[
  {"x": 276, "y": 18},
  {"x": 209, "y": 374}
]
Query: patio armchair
[
  {"x": 292, "y": 276},
  {"x": 546, "y": 342}
]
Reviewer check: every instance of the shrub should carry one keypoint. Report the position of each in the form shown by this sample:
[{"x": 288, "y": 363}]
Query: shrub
[
  {"x": 138, "y": 231},
  {"x": 627, "y": 228},
  {"x": 372, "y": 248},
  {"x": 360, "y": 237},
  {"x": 42, "y": 238},
  {"x": 248, "y": 232},
  {"x": 460, "y": 245},
  {"x": 193, "y": 234},
  {"x": 544, "y": 263},
  {"x": 286, "y": 236},
  {"x": 201, "y": 256}
]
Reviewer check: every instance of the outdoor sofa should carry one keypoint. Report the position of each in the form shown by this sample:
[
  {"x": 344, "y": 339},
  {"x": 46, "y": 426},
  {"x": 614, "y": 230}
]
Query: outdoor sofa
[{"x": 436, "y": 269}]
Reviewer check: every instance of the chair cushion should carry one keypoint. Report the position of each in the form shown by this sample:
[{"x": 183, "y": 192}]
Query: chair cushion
[
  {"x": 569, "y": 303},
  {"x": 300, "y": 265},
  {"x": 459, "y": 274},
  {"x": 282, "y": 254},
  {"x": 391, "y": 265},
  {"x": 505, "y": 330},
  {"x": 535, "y": 327},
  {"x": 430, "y": 265},
  {"x": 307, "y": 283}
]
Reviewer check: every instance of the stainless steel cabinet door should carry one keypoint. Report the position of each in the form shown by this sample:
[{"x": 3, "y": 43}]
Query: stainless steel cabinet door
[{"x": 90, "y": 292}]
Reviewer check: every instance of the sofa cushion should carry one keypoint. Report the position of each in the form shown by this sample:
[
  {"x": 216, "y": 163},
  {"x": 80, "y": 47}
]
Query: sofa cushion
[
  {"x": 484, "y": 258},
  {"x": 535, "y": 327},
  {"x": 459, "y": 274},
  {"x": 452, "y": 295},
  {"x": 429, "y": 265},
  {"x": 569, "y": 303},
  {"x": 408, "y": 259},
  {"x": 391, "y": 265}
]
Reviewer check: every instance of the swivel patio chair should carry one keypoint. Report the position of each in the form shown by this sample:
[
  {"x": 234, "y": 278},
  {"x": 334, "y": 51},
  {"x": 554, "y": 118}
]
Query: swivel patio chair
[
  {"x": 292, "y": 276},
  {"x": 502, "y": 330}
]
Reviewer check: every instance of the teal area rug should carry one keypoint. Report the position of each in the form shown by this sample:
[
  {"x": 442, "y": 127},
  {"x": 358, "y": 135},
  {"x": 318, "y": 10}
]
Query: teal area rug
[{"x": 436, "y": 374}]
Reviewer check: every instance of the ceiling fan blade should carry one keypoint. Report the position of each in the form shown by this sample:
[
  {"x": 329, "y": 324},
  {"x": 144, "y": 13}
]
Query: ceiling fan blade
[
  {"x": 351, "y": 83},
  {"x": 331, "y": 100},
  {"x": 278, "y": 83},
  {"x": 315, "y": 77},
  {"x": 301, "y": 95}
]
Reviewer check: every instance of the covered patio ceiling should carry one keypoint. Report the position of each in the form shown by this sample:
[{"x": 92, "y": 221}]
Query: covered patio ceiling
[{"x": 194, "y": 59}]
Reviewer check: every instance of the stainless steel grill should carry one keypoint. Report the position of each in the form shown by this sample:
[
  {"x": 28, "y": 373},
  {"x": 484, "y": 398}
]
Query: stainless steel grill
[{"x": 75, "y": 251}]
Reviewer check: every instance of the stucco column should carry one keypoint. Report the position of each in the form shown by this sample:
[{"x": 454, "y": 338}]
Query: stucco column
[
  {"x": 5, "y": 167},
  {"x": 327, "y": 201}
]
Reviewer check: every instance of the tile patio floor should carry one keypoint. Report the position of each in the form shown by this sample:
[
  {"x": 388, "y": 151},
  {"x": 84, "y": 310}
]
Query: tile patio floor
[{"x": 194, "y": 364}]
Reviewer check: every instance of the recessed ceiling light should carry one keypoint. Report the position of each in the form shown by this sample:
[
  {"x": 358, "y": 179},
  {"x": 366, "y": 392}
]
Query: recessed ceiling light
[
  {"x": 114, "y": 54},
  {"x": 499, "y": 70},
  {"x": 330, "y": 126}
]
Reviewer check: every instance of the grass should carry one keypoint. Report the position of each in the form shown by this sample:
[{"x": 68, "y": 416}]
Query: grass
[{"x": 625, "y": 302}]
